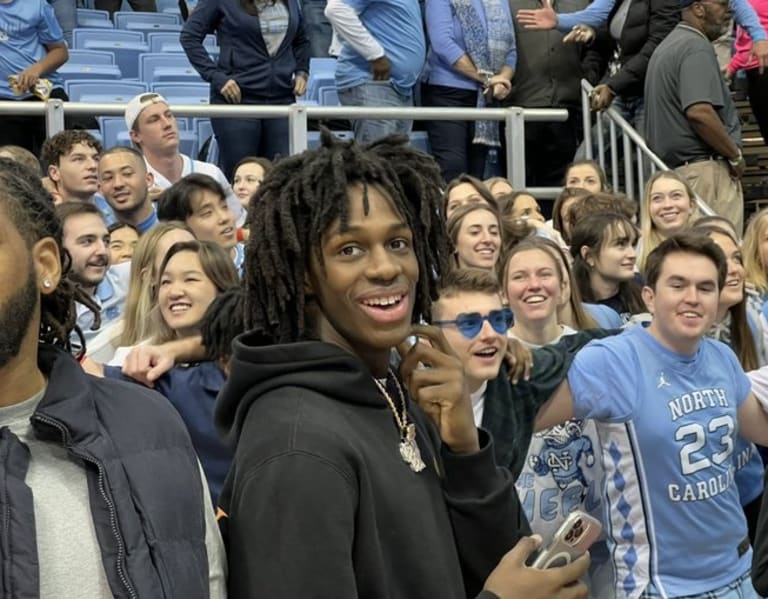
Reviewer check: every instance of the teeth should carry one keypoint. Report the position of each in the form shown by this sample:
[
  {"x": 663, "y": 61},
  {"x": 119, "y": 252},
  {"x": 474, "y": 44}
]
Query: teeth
[
  {"x": 690, "y": 314},
  {"x": 491, "y": 351},
  {"x": 176, "y": 308},
  {"x": 535, "y": 299},
  {"x": 383, "y": 301}
]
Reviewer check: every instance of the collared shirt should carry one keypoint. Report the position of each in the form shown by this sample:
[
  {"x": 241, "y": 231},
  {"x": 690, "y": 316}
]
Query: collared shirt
[
  {"x": 148, "y": 222},
  {"x": 189, "y": 166}
]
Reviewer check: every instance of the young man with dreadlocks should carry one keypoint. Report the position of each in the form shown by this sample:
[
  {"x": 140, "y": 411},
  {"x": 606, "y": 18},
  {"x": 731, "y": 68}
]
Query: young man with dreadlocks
[
  {"x": 349, "y": 479},
  {"x": 101, "y": 466}
]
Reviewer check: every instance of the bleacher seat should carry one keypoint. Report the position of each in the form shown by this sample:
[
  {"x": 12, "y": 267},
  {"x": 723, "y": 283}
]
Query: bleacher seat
[
  {"x": 318, "y": 81},
  {"x": 90, "y": 57},
  {"x": 144, "y": 20},
  {"x": 183, "y": 93},
  {"x": 159, "y": 67},
  {"x": 82, "y": 36},
  {"x": 126, "y": 54},
  {"x": 328, "y": 96},
  {"x": 71, "y": 71},
  {"x": 168, "y": 6},
  {"x": 322, "y": 65},
  {"x": 87, "y": 17},
  {"x": 117, "y": 92},
  {"x": 203, "y": 129}
]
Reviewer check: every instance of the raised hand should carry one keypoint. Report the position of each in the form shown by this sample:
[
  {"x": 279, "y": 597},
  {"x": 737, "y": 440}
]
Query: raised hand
[
  {"x": 538, "y": 18},
  {"x": 439, "y": 388}
]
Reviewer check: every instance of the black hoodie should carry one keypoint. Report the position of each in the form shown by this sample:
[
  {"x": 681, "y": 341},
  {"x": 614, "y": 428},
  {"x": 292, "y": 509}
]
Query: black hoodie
[{"x": 320, "y": 503}]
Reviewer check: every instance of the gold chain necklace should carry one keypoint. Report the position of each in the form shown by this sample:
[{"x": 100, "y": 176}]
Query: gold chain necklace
[{"x": 409, "y": 449}]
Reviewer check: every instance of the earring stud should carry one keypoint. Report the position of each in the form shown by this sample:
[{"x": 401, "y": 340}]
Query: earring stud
[{"x": 47, "y": 283}]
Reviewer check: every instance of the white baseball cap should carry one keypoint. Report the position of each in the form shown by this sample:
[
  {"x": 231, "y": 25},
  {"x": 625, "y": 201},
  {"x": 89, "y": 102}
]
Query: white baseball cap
[{"x": 138, "y": 103}]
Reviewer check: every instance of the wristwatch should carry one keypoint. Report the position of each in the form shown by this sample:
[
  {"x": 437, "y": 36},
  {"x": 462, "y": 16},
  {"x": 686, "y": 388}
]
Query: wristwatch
[{"x": 734, "y": 162}]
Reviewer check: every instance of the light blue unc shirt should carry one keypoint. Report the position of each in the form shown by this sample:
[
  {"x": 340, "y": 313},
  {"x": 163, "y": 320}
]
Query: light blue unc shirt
[
  {"x": 667, "y": 424},
  {"x": 26, "y": 27}
]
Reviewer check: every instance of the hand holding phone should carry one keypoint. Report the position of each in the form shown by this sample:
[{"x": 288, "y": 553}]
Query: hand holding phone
[
  {"x": 512, "y": 579},
  {"x": 572, "y": 540}
]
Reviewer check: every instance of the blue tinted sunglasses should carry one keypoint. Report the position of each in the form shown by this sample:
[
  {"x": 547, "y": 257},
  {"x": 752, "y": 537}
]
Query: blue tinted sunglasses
[{"x": 470, "y": 324}]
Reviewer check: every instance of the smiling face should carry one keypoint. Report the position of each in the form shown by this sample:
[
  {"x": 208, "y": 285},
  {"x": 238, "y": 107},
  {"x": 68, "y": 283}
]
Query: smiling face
[
  {"x": 669, "y": 205},
  {"x": 615, "y": 260},
  {"x": 534, "y": 288},
  {"x": 212, "y": 220},
  {"x": 122, "y": 242},
  {"x": 364, "y": 279},
  {"x": 584, "y": 176},
  {"x": 87, "y": 240},
  {"x": 481, "y": 355},
  {"x": 478, "y": 242},
  {"x": 684, "y": 302},
  {"x": 184, "y": 293},
  {"x": 733, "y": 290},
  {"x": 248, "y": 178},
  {"x": 125, "y": 183},
  {"x": 526, "y": 207},
  {"x": 462, "y": 194},
  {"x": 76, "y": 174}
]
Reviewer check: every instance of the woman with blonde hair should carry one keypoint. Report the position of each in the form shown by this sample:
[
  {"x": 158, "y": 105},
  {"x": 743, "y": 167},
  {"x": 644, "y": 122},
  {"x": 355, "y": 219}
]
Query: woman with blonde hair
[
  {"x": 475, "y": 230},
  {"x": 669, "y": 205},
  {"x": 756, "y": 253}
]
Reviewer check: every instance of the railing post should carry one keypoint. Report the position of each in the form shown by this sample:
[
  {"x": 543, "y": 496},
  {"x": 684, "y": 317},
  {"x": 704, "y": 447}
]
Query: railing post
[
  {"x": 515, "y": 138},
  {"x": 629, "y": 184},
  {"x": 586, "y": 115},
  {"x": 54, "y": 117},
  {"x": 297, "y": 128}
]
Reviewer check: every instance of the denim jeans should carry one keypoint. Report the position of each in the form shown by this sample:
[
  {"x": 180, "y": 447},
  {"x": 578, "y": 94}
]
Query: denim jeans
[
  {"x": 238, "y": 138},
  {"x": 376, "y": 93},
  {"x": 741, "y": 588},
  {"x": 317, "y": 27},
  {"x": 66, "y": 15}
]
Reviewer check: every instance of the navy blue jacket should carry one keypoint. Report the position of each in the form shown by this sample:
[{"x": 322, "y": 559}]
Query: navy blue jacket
[
  {"x": 244, "y": 55},
  {"x": 143, "y": 482},
  {"x": 192, "y": 390}
]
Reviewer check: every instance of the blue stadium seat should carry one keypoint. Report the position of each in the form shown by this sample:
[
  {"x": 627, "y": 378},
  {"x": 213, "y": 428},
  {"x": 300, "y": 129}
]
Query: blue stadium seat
[
  {"x": 90, "y": 57},
  {"x": 126, "y": 54},
  {"x": 70, "y": 71},
  {"x": 318, "y": 81},
  {"x": 135, "y": 20},
  {"x": 183, "y": 93},
  {"x": 203, "y": 129},
  {"x": 87, "y": 17},
  {"x": 113, "y": 92},
  {"x": 168, "y": 41},
  {"x": 322, "y": 65},
  {"x": 328, "y": 96},
  {"x": 82, "y": 36},
  {"x": 168, "y": 6},
  {"x": 159, "y": 67}
]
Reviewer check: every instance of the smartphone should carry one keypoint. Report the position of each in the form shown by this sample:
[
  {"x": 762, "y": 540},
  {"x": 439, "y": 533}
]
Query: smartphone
[{"x": 575, "y": 535}]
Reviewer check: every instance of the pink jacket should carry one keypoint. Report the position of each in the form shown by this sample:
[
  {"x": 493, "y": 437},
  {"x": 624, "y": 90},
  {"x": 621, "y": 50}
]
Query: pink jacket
[{"x": 743, "y": 43}]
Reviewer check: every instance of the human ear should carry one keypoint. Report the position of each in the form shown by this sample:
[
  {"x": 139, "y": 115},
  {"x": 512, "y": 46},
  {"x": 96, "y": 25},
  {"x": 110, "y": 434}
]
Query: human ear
[
  {"x": 47, "y": 261},
  {"x": 649, "y": 298}
]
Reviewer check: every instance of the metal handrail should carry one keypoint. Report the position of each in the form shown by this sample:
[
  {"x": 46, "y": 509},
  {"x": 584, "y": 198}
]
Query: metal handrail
[
  {"x": 299, "y": 114},
  {"x": 630, "y": 138}
]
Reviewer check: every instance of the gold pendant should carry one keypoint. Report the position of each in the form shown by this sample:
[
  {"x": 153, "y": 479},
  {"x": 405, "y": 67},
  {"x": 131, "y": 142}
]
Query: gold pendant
[{"x": 409, "y": 450}]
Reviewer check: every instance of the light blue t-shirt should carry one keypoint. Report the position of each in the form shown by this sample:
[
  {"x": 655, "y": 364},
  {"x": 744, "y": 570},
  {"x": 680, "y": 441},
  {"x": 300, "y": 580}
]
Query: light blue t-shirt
[
  {"x": 667, "y": 424},
  {"x": 397, "y": 26},
  {"x": 25, "y": 26}
]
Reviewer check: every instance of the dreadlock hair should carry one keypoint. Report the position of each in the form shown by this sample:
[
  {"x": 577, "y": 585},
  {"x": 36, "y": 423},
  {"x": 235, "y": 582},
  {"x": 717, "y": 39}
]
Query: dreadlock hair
[
  {"x": 30, "y": 208},
  {"x": 304, "y": 194},
  {"x": 222, "y": 322}
]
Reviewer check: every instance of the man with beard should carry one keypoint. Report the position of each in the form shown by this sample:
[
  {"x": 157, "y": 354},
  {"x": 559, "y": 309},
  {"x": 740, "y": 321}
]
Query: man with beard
[
  {"x": 86, "y": 240},
  {"x": 125, "y": 184},
  {"x": 691, "y": 120},
  {"x": 69, "y": 470}
]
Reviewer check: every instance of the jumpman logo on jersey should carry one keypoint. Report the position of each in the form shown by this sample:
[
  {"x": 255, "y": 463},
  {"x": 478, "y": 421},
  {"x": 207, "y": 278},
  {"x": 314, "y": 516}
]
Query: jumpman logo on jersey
[{"x": 662, "y": 382}]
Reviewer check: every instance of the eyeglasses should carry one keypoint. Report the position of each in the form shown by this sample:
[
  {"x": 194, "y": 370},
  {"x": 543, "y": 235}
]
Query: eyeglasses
[{"x": 471, "y": 323}]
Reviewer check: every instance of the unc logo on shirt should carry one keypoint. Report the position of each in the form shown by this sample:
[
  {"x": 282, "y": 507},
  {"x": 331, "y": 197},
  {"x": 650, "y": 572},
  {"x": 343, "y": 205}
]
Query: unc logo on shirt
[{"x": 564, "y": 448}]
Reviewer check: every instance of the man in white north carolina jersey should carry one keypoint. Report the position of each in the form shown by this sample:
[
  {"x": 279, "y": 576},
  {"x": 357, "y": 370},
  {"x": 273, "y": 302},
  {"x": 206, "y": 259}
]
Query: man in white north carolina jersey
[{"x": 668, "y": 404}]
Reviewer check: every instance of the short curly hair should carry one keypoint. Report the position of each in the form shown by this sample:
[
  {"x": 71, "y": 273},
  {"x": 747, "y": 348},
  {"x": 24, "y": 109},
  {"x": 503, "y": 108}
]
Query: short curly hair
[{"x": 62, "y": 143}]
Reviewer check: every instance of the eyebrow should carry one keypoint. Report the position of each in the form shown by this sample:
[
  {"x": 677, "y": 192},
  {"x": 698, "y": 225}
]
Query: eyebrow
[{"x": 359, "y": 229}]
